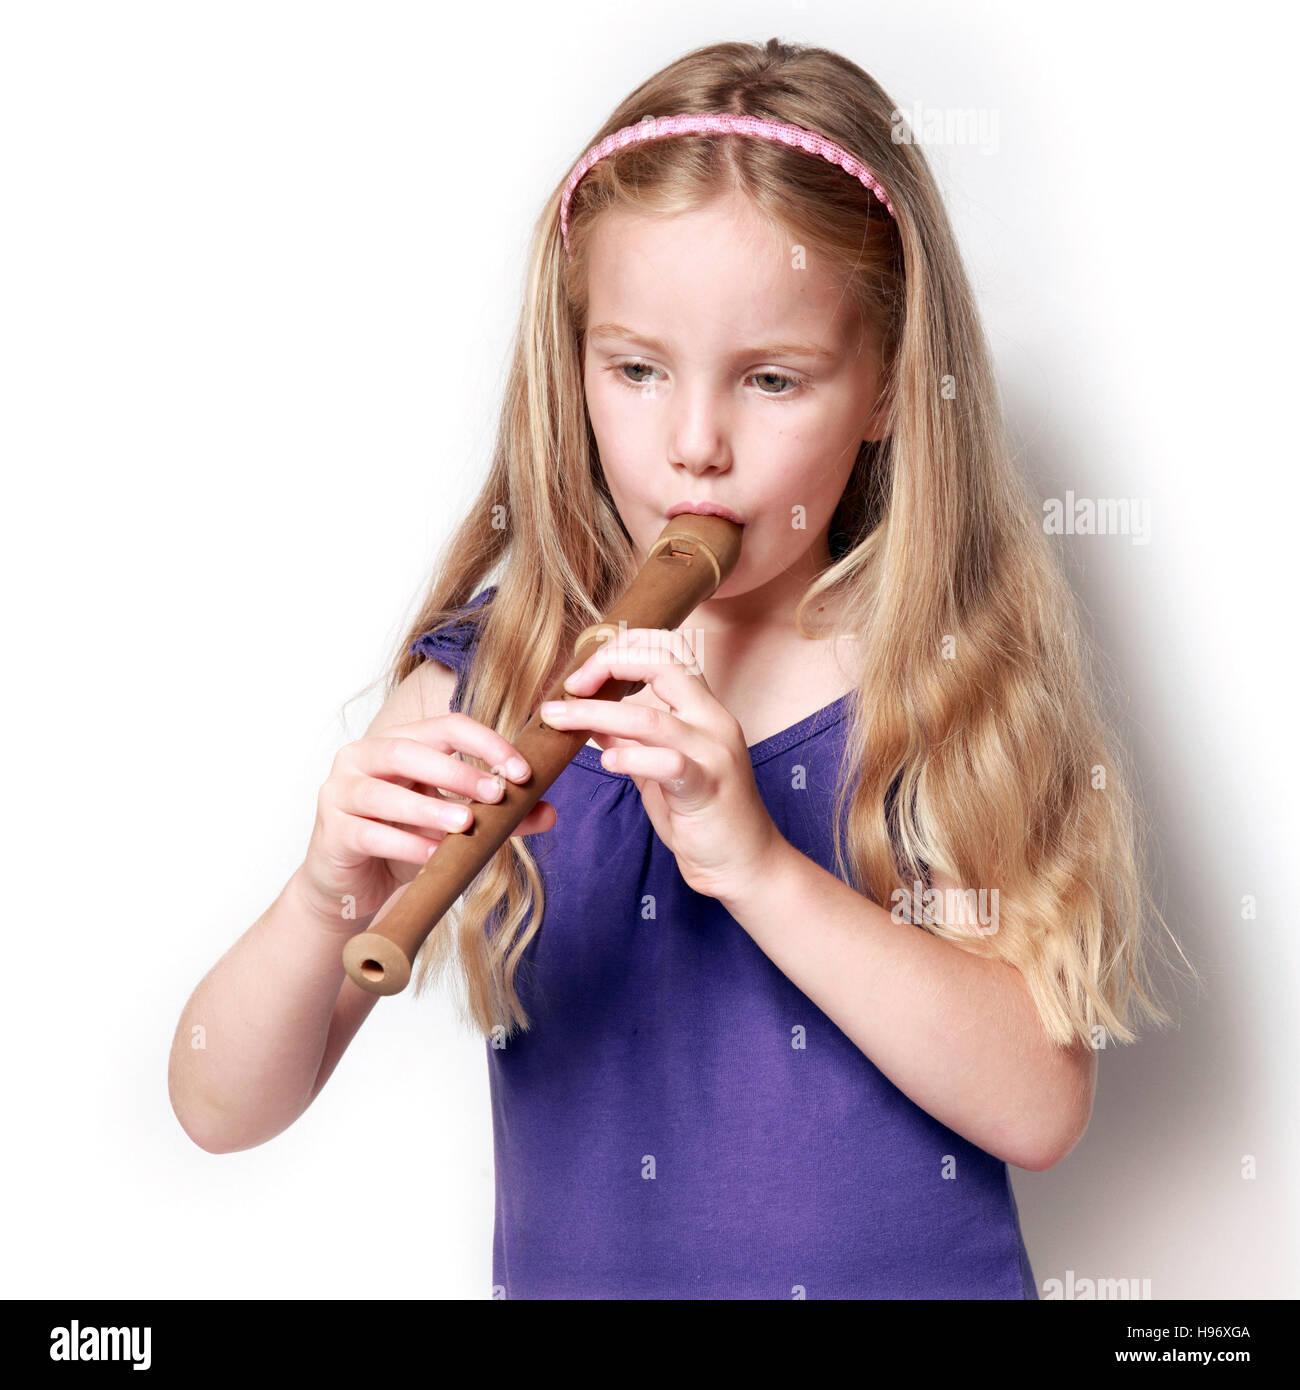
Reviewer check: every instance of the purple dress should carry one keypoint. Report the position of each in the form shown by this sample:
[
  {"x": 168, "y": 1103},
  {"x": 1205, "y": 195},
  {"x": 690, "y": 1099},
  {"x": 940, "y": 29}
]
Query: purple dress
[{"x": 684, "y": 1122}]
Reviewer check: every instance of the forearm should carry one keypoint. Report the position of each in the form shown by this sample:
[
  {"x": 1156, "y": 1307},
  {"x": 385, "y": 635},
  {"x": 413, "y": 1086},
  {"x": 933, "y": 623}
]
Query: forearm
[
  {"x": 250, "y": 1040},
  {"x": 957, "y": 1034}
]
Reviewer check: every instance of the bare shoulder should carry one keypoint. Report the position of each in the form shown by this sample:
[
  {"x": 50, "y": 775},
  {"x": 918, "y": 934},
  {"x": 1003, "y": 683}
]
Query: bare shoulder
[{"x": 424, "y": 694}]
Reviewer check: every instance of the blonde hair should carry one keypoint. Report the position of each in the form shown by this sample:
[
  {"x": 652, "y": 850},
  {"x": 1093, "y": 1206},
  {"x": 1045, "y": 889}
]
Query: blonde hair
[{"x": 976, "y": 739}]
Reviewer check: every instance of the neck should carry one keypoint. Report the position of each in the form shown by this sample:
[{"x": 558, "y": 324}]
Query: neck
[{"x": 768, "y": 609}]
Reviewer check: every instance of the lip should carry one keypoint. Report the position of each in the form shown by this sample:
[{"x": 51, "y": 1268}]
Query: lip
[{"x": 704, "y": 509}]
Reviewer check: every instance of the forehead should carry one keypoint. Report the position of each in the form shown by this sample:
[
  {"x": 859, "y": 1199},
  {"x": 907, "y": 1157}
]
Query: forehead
[{"x": 720, "y": 271}]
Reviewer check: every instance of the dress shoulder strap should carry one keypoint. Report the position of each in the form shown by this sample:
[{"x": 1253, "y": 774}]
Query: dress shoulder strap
[{"x": 453, "y": 643}]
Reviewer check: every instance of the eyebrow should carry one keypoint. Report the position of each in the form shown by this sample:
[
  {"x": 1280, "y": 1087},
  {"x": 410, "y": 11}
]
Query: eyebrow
[{"x": 618, "y": 330}]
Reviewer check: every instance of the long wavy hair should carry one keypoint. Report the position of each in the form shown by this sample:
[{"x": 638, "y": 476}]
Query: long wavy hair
[{"x": 976, "y": 744}]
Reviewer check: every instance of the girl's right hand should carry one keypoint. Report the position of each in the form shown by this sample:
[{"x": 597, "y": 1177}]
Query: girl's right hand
[{"x": 380, "y": 814}]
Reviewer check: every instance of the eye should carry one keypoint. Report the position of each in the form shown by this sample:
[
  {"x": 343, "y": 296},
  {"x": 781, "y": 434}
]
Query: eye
[
  {"x": 622, "y": 367},
  {"x": 793, "y": 382},
  {"x": 790, "y": 385}
]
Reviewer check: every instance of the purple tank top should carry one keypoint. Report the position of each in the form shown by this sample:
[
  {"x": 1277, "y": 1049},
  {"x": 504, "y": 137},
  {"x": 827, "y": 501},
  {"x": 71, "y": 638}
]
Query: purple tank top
[{"x": 681, "y": 1121}]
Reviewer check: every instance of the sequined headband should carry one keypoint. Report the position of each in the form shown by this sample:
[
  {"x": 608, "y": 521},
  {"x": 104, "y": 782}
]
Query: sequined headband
[{"x": 704, "y": 123}]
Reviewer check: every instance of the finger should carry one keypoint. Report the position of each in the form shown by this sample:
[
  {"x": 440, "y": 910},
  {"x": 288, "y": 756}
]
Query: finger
[
  {"x": 608, "y": 740},
  {"x": 458, "y": 733},
  {"x": 374, "y": 799},
  {"x": 658, "y": 665},
  {"x": 400, "y": 846},
  {"x": 371, "y": 839},
  {"x": 675, "y": 773},
  {"x": 656, "y": 643},
  {"x": 632, "y": 725},
  {"x": 540, "y": 817},
  {"x": 689, "y": 701},
  {"x": 407, "y": 758}
]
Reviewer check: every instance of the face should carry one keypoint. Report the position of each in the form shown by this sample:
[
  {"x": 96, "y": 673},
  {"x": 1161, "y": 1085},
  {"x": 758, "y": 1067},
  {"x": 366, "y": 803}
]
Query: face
[{"x": 715, "y": 370}]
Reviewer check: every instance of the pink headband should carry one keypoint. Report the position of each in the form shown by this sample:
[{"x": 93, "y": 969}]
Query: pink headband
[{"x": 658, "y": 128}]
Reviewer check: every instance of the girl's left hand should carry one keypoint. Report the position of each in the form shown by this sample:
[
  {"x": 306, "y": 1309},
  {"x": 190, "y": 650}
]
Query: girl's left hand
[{"x": 690, "y": 762}]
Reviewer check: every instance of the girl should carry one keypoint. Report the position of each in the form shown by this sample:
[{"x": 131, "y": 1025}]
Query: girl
[{"x": 824, "y": 926}]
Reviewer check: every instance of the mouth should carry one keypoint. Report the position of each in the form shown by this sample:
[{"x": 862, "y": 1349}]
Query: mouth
[{"x": 705, "y": 509}]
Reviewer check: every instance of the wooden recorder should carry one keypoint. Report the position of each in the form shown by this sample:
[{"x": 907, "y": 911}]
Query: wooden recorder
[{"x": 686, "y": 565}]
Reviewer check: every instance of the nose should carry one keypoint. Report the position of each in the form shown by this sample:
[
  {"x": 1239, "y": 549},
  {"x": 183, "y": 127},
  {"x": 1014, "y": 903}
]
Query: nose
[{"x": 700, "y": 432}]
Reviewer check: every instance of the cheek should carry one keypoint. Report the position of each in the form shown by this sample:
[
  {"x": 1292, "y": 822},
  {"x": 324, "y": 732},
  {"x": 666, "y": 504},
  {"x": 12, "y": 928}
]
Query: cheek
[
  {"x": 814, "y": 452},
  {"x": 620, "y": 441},
  {"x": 627, "y": 446},
  {"x": 610, "y": 415},
  {"x": 801, "y": 469}
]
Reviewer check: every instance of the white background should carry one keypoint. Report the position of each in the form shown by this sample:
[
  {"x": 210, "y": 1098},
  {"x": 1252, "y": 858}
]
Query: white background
[{"x": 258, "y": 268}]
